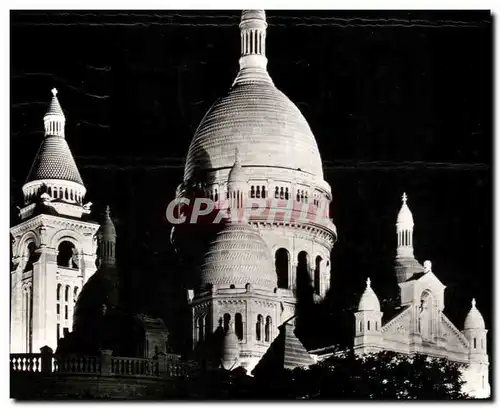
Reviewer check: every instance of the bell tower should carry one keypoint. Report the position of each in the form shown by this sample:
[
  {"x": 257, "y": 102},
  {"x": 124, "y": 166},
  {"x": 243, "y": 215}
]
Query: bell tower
[{"x": 54, "y": 246}]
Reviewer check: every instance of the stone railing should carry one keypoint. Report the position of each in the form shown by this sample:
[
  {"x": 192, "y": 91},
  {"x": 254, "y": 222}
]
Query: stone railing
[{"x": 164, "y": 366}]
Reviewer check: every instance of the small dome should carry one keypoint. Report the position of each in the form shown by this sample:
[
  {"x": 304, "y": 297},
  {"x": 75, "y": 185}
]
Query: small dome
[
  {"x": 405, "y": 217},
  {"x": 369, "y": 300},
  {"x": 474, "y": 319},
  {"x": 238, "y": 255}
]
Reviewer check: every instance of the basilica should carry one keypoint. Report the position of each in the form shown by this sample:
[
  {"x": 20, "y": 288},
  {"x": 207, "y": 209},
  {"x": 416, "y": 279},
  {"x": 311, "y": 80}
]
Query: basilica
[{"x": 244, "y": 277}]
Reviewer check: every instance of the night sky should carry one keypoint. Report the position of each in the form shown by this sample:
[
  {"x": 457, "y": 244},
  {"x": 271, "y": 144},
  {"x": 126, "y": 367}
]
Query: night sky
[{"x": 398, "y": 101}]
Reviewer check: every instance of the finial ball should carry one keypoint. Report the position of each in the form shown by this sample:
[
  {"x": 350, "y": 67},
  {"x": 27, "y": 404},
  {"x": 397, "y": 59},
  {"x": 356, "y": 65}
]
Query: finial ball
[{"x": 54, "y": 91}]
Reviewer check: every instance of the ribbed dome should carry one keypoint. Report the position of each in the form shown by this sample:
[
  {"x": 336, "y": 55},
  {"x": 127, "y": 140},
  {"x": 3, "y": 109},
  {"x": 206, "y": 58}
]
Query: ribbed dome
[
  {"x": 474, "y": 319},
  {"x": 369, "y": 300},
  {"x": 55, "y": 106},
  {"x": 265, "y": 126},
  {"x": 54, "y": 161},
  {"x": 107, "y": 228},
  {"x": 238, "y": 255}
]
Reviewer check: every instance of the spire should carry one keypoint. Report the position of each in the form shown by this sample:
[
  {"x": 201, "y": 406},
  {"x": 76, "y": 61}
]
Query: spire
[
  {"x": 54, "y": 119},
  {"x": 404, "y": 230},
  {"x": 253, "y": 61},
  {"x": 107, "y": 236}
]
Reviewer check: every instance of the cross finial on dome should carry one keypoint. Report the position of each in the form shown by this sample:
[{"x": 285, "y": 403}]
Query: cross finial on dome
[
  {"x": 404, "y": 198},
  {"x": 107, "y": 212},
  {"x": 54, "y": 91},
  {"x": 368, "y": 283},
  {"x": 473, "y": 302}
]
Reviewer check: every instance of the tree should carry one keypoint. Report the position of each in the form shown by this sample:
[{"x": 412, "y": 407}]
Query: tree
[{"x": 382, "y": 376}]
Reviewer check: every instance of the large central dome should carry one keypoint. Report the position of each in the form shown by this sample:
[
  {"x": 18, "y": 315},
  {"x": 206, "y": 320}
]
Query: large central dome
[
  {"x": 255, "y": 117},
  {"x": 265, "y": 126}
]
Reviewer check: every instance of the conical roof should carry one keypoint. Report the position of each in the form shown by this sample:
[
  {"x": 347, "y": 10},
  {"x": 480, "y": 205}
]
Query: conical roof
[{"x": 54, "y": 160}]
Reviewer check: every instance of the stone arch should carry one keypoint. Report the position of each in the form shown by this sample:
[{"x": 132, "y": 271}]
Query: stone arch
[
  {"x": 267, "y": 329},
  {"x": 258, "y": 328},
  {"x": 65, "y": 252},
  {"x": 66, "y": 235},
  {"x": 23, "y": 243},
  {"x": 282, "y": 265},
  {"x": 238, "y": 326}
]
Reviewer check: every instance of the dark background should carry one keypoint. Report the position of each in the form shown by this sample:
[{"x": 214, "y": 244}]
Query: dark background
[{"x": 398, "y": 101}]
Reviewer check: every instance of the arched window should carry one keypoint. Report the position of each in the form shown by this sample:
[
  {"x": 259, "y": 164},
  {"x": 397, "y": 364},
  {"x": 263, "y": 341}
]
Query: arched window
[
  {"x": 66, "y": 194},
  {"x": 58, "y": 291},
  {"x": 263, "y": 191},
  {"x": 75, "y": 294},
  {"x": 227, "y": 319},
  {"x": 238, "y": 326},
  {"x": 360, "y": 326},
  {"x": 258, "y": 328},
  {"x": 303, "y": 277},
  {"x": 252, "y": 192},
  {"x": 282, "y": 193},
  {"x": 257, "y": 192},
  {"x": 282, "y": 261},
  {"x": 267, "y": 331},
  {"x": 30, "y": 253},
  {"x": 317, "y": 275},
  {"x": 376, "y": 326},
  {"x": 286, "y": 194},
  {"x": 66, "y": 293},
  {"x": 71, "y": 195},
  {"x": 368, "y": 325},
  {"x": 65, "y": 255},
  {"x": 277, "y": 192},
  {"x": 475, "y": 342},
  {"x": 298, "y": 196},
  {"x": 216, "y": 196}
]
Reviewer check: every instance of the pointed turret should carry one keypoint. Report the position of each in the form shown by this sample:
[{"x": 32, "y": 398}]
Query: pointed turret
[
  {"x": 253, "y": 61},
  {"x": 107, "y": 238},
  {"x": 368, "y": 321},
  {"x": 54, "y": 172}
]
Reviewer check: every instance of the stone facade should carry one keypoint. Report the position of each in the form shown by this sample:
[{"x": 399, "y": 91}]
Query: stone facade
[{"x": 420, "y": 325}]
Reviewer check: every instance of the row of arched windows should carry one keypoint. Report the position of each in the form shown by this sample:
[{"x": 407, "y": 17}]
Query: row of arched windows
[
  {"x": 474, "y": 341},
  {"x": 267, "y": 328},
  {"x": 404, "y": 238},
  {"x": 67, "y": 290},
  {"x": 258, "y": 192},
  {"x": 369, "y": 326},
  {"x": 282, "y": 193},
  {"x": 282, "y": 265}
]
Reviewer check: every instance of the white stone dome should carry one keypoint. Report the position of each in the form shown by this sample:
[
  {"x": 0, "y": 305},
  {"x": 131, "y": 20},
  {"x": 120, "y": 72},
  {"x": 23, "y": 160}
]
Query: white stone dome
[
  {"x": 405, "y": 217},
  {"x": 369, "y": 301},
  {"x": 238, "y": 255},
  {"x": 263, "y": 124},
  {"x": 474, "y": 319}
]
